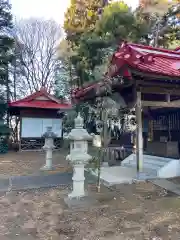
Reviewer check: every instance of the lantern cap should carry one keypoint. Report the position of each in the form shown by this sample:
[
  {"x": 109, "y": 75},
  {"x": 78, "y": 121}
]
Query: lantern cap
[
  {"x": 79, "y": 133},
  {"x": 79, "y": 121},
  {"x": 49, "y": 133}
]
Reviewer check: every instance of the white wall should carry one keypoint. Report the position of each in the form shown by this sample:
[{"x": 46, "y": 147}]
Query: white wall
[{"x": 36, "y": 127}]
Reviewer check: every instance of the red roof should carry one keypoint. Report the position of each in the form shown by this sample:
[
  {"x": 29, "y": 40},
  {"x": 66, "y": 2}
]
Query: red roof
[
  {"x": 143, "y": 59},
  {"x": 40, "y": 99},
  {"x": 148, "y": 59}
]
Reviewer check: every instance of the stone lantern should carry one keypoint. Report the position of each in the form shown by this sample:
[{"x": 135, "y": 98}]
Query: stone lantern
[
  {"x": 48, "y": 147},
  {"x": 78, "y": 156}
]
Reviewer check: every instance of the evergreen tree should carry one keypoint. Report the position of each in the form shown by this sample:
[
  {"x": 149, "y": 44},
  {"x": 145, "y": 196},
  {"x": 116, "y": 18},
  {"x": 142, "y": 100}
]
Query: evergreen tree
[
  {"x": 6, "y": 53},
  {"x": 163, "y": 18},
  {"x": 117, "y": 23},
  {"x": 168, "y": 30},
  {"x": 65, "y": 73},
  {"x": 81, "y": 16},
  {"x": 120, "y": 23},
  {"x": 62, "y": 81}
]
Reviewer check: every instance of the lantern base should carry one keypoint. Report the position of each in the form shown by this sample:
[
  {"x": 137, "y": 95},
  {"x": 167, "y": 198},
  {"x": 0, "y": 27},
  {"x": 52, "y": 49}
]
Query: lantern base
[
  {"x": 48, "y": 165},
  {"x": 46, "y": 168},
  {"x": 75, "y": 195},
  {"x": 83, "y": 202}
]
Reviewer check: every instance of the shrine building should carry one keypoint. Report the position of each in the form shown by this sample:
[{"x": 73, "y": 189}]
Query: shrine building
[
  {"x": 35, "y": 113},
  {"x": 148, "y": 79}
]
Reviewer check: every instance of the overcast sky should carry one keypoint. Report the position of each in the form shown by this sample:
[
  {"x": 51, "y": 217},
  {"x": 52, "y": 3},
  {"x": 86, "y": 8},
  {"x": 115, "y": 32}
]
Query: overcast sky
[{"x": 46, "y": 8}]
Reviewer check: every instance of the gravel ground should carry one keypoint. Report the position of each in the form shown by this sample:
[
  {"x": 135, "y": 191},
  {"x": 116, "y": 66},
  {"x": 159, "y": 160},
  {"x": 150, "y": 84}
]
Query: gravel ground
[
  {"x": 28, "y": 163},
  {"x": 138, "y": 211}
]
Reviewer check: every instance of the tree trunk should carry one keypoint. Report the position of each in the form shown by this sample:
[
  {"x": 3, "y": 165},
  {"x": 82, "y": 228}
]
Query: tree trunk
[{"x": 7, "y": 93}]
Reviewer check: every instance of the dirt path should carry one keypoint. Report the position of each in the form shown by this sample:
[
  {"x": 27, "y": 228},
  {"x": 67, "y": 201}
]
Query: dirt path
[
  {"x": 139, "y": 211},
  {"x": 28, "y": 163}
]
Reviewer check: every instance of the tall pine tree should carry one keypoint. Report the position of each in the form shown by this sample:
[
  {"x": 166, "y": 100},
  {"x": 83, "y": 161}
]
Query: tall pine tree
[{"x": 6, "y": 54}]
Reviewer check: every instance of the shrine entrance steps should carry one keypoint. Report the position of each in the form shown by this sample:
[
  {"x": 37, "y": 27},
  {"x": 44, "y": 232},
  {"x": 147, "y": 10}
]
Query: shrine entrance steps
[
  {"x": 115, "y": 175},
  {"x": 154, "y": 166}
]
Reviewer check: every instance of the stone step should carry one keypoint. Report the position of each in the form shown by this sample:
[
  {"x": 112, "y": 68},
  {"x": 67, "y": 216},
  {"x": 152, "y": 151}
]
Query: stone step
[
  {"x": 151, "y": 172},
  {"x": 168, "y": 185},
  {"x": 146, "y": 176},
  {"x": 158, "y": 159},
  {"x": 150, "y": 162},
  {"x": 145, "y": 165},
  {"x": 162, "y": 160}
]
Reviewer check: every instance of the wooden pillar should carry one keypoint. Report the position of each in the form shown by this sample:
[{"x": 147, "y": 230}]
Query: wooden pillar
[
  {"x": 168, "y": 98},
  {"x": 139, "y": 134},
  {"x": 20, "y": 133},
  {"x": 150, "y": 130}
]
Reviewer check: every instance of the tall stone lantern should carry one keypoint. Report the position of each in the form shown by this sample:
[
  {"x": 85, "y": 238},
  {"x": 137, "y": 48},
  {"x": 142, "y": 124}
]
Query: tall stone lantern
[
  {"x": 78, "y": 156},
  {"x": 48, "y": 147}
]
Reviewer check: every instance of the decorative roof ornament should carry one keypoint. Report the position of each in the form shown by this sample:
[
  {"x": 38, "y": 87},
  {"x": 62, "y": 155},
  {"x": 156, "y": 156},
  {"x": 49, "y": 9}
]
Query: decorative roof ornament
[
  {"x": 43, "y": 89},
  {"x": 176, "y": 65}
]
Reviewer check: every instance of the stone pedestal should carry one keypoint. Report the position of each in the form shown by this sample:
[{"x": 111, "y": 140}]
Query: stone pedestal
[
  {"x": 48, "y": 165},
  {"x": 78, "y": 203},
  {"x": 78, "y": 182},
  {"x": 78, "y": 156},
  {"x": 48, "y": 147}
]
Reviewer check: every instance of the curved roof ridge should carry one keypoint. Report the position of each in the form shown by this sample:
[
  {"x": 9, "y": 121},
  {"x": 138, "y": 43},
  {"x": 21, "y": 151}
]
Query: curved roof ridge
[
  {"x": 159, "y": 49},
  {"x": 159, "y": 52},
  {"x": 177, "y": 49},
  {"x": 33, "y": 96}
]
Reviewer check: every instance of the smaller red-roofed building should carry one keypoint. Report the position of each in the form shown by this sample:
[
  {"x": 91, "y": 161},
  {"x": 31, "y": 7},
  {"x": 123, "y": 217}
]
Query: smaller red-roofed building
[{"x": 35, "y": 113}]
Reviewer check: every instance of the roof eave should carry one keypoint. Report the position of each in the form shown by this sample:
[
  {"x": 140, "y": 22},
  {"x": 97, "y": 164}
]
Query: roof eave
[{"x": 39, "y": 107}]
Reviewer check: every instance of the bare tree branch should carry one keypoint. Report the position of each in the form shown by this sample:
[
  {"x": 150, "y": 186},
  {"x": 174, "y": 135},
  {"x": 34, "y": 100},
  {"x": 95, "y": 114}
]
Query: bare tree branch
[{"x": 37, "y": 42}]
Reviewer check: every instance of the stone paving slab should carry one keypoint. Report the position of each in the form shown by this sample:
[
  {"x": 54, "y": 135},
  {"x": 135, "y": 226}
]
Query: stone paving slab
[
  {"x": 40, "y": 181},
  {"x": 168, "y": 185},
  {"x": 30, "y": 182},
  {"x": 4, "y": 184},
  {"x": 17, "y": 237}
]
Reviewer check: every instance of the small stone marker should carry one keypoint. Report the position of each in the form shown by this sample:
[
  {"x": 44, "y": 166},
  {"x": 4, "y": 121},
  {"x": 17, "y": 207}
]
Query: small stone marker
[{"x": 48, "y": 147}]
